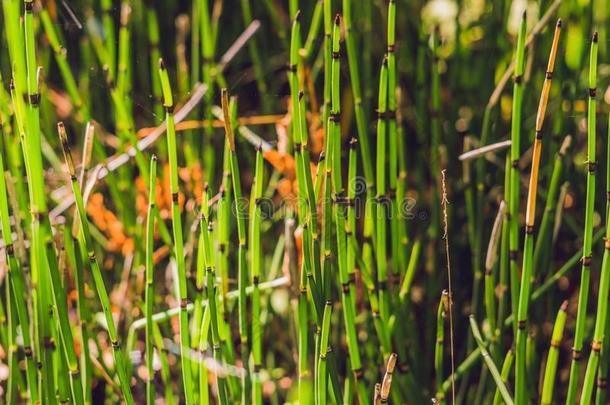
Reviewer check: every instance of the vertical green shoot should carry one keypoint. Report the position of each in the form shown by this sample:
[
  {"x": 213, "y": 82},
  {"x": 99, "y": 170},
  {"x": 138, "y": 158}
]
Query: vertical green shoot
[
  {"x": 601, "y": 318},
  {"x": 241, "y": 231},
  {"x": 149, "y": 292},
  {"x": 443, "y": 305},
  {"x": 381, "y": 213},
  {"x": 255, "y": 265},
  {"x": 168, "y": 104},
  {"x": 322, "y": 375},
  {"x": 95, "y": 269},
  {"x": 583, "y": 295},
  {"x": 551, "y": 362},
  {"x": 515, "y": 154}
]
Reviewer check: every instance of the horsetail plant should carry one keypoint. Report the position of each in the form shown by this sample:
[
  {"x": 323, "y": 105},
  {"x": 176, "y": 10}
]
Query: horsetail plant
[
  {"x": 490, "y": 363},
  {"x": 43, "y": 253},
  {"x": 585, "y": 277},
  {"x": 241, "y": 231},
  {"x": 95, "y": 269},
  {"x": 17, "y": 286},
  {"x": 149, "y": 292},
  {"x": 440, "y": 345},
  {"x": 351, "y": 220},
  {"x": 123, "y": 74},
  {"x": 528, "y": 249},
  {"x": 342, "y": 226},
  {"x": 602, "y": 372},
  {"x": 321, "y": 369},
  {"x": 205, "y": 229},
  {"x": 255, "y": 266},
  {"x": 360, "y": 116},
  {"x": 307, "y": 201},
  {"x": 109, "y": 33},
  {"x": 363, "y": 136},
  {"x": 224, "y": 232},
  {"x": 395, "y": 223},
  {"x": 168, "y": 104},
  {"x": 27, "y": 87},
  {"x": 207, "y": 53},
  {"x": 515, "y": 153},
  {"x": 504, "y": 375},
  {"x": 381, "y": 214},
  {"x": 152, "y": 23},
  {"x": 601, "y": 318},
  {"x": 551, "y": 361},
  {"x": 339, "y": 202}
]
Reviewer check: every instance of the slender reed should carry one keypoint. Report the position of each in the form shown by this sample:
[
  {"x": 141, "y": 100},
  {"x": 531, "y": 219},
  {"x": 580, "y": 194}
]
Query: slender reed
[
  {"x": 551, "y": 361},
  {"x": 123, "y": 73},
  {"x": 359, "y": 112},
  {"x": 17, "y": 287},
  {"x": 602, "y": 373},
  {"x": 504, "y": 374},
  {"x": 583, "y": 295},
  {"x": 307, "y": 213},
  {"x": 149, "y": 293},
  {"x": 43, "y": 251},
  {"x": 255, "y": 266},
  {"x": 27, "y": 88},
  {"x": 339, "y": 202},
  {"x": 109, "y": 33},
  {"x": 381, "y": 213},
  {"x": 95, "y": 269},
  {"x": 314, "y": 29},
  {"x": 515, "y": 186},
  {"x": 440, "y": 345},
  {"x": 205, "y": 229},
  {"x": 307, "y": 217},
  {"x": 601, "y": 318},
  {"x": 168, "y": 103},
  {"x": 243, "y": 246},
  {"x": 490, "y": 363},
  {"x": 398, "y": 254},
  {"x": 530, "y": 216},
  {"x": 152, "y": 23},
  {"x": 321, "y": 370},
  {"x": 207, "y": 54}
]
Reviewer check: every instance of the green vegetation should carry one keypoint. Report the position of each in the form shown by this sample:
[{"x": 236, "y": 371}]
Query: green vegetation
[{"x": 313, "y": 202}]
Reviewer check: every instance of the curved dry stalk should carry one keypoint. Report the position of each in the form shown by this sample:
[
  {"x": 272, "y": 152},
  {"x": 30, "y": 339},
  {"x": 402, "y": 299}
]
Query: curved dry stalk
[
  {"x": 528, "y": 249},
  {"x": 386, "y": 384}
]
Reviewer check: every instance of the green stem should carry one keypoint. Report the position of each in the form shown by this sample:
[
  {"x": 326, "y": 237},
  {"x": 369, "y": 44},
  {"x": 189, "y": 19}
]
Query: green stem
[
  {"x": 583, "y": 296},
  {"x": 168, "y": 103}
]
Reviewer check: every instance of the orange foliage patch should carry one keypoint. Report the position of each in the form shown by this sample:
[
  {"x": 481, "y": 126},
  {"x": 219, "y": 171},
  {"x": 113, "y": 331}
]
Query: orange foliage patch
[{"x": 109, "y": 224}]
